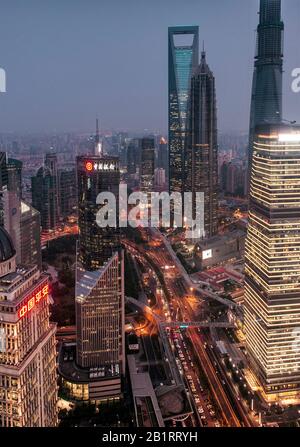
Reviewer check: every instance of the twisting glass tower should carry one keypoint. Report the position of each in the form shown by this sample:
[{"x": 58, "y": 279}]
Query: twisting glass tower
[
  {"x": 183, "y": 58},
  {"x": 272, "y": 271},
  {"x": 266, "y": 101}
]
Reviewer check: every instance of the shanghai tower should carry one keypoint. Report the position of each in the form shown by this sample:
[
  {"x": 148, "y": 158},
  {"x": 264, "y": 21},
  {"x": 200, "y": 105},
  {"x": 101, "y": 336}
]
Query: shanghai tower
[{"x": 266, "y": 100}]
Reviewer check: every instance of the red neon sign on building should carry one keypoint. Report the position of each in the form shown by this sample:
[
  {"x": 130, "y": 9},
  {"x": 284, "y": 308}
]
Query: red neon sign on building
[
  {"x": 89, "y": 166},
  {"x": 33, "y": 300}
]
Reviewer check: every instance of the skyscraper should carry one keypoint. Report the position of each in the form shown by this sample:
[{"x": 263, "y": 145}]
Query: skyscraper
[
  {"x": 100, "y": 316},
  {"x": 183, "y": 58},
  {"x": 98, "y": 143},
  {"x": 162, "y": 156},
  {"x": 266, "y": 100},
  {"x": 133, "y": 156},
  {"x": 11, "y": 174},
  {"x": 23, "y": 223},
  {"x": 147, "y": 164},
  {"x": 28, "y": 387},
  {"x": 202, "y": 146},
  {"x": 272, "y": 271},
  {"x": 95, "y": 174},
  {"x": 99, "y": 293},
  {"x": 51, "y": 163},
  {"x": 67, "y": 191},
  {"x": 44, "y": 198}
]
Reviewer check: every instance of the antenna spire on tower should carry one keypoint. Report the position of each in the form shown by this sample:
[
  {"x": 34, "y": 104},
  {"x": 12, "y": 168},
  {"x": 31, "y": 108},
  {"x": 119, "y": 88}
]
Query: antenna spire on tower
[{"x": 98, "y": 145}]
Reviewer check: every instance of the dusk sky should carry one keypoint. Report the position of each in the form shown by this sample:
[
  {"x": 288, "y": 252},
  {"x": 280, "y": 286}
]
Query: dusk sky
[{"x": 69, "y": 60}]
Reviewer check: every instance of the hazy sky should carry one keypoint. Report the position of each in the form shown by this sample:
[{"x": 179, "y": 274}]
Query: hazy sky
[{"x": 69, "y": 60}]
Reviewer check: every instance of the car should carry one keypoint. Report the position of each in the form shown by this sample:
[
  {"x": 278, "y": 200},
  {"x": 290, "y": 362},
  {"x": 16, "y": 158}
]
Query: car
[
  {"x": 200, "y": 410},
  {"x": 197, "y": 400},
  {"x": 217, "y": 424}
]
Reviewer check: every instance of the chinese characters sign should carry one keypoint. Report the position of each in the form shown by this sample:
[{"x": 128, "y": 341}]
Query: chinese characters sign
[
  {"x": 100, "y": 166},
  {"x": 33, "y": 299}
]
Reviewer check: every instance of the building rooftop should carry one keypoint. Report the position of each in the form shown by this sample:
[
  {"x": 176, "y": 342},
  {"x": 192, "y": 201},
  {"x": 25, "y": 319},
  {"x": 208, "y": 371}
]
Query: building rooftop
[
  {"x": 70, "y": 371},
  {"x": 14, "y": 280},
  {"x": 222, "y": 239}
]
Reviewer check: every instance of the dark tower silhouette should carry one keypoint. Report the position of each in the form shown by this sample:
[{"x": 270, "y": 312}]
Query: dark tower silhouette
[
  {"x": 266, "y": 101},
  {"x": 202, "y": 148}
]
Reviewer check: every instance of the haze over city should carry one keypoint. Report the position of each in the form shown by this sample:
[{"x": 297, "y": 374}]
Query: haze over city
[
  {"x": 68, "y": 61},
  {"x": 149, "y": 218}
]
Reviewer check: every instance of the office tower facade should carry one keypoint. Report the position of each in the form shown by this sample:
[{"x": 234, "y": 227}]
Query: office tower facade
[
  {"x": 14, "y": 176},
  {"x": 233, "y": 177},
  {"x": 163, "y": 156},
  {"x": 133, "y": 156},
  {"x": 101, "y": 293},
  {"x": 183, "y": 58},
  {"x": 272, "y": 271},
  {"x": 96, "y": 174},
  {"x": 92, "y": 369},
  {"x": 30, "y": 236},
  {"x": 44, "y": 198},
  {"x": 23, "y": 223},
  {"x": 147, "y": 164},
  {"x": 28, "y": 386},
  {"x": 202, "y": 145},
  {"x": 11, "y": 174},
  {"x": 67, "y": 191},
  {"x": 160, "y": 179},
  {"x": 266, "y": 100},
  {"x": 51, "y": 164}
]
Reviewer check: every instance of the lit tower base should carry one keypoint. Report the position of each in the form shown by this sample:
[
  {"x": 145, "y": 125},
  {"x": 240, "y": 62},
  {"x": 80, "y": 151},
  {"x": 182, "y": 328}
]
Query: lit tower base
[{"x": 272, "y": 270}]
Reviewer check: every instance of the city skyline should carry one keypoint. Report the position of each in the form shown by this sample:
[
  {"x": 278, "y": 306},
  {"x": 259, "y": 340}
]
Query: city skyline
[
  {"x": 59, "y": 82},
  {"x": 151, "y": 279}
]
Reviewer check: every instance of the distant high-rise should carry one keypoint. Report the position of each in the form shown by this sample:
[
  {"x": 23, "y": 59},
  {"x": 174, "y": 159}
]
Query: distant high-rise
[
  {"x": 202, "y": 146},
  {"x": 98, "y": 143},
  {"x": 44, "y": 198},
  {"x": 23, "y": 223},
  {"x": 14, "y": 176},
  {"x": 96, "y": 174},
  {"x": 67, "y": 191},
  {"x": 11, "y": 174},
  {"x": 133, "y": 156},
  {"x": 266, "y": 101},
  {"x": 51, "y": 163},
  {"x": 30, "y": 232},
  {"x": 147, "y": 164},
  {"x": 272, "y": 270},
  {"x": 183, "y": 58}
]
